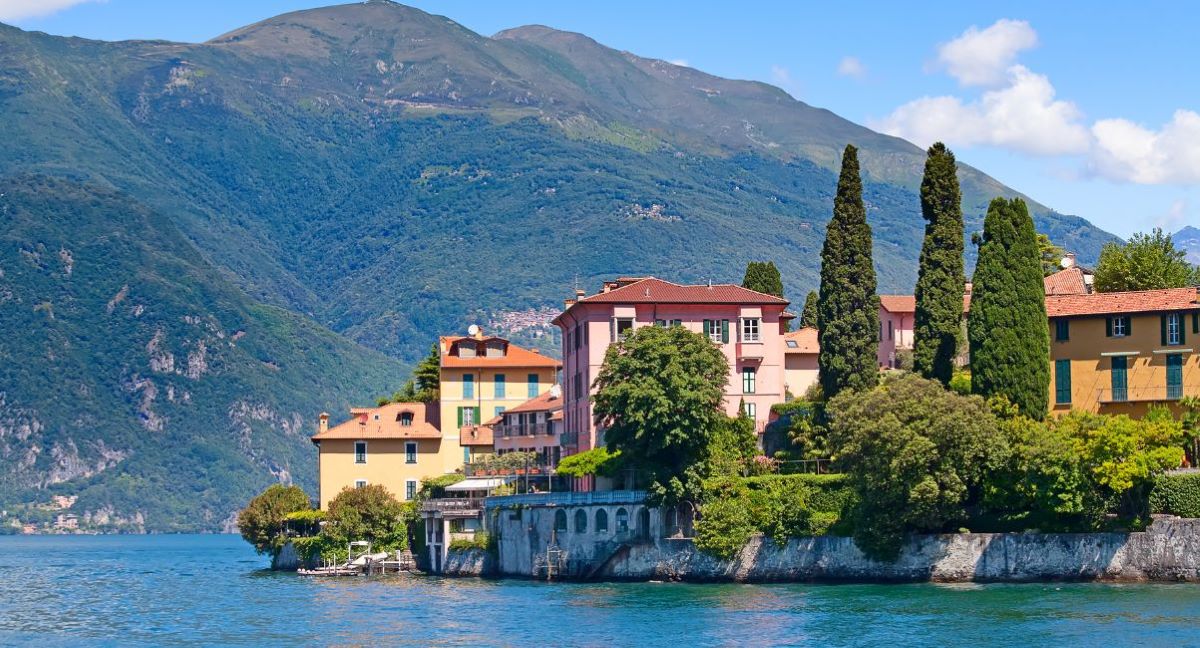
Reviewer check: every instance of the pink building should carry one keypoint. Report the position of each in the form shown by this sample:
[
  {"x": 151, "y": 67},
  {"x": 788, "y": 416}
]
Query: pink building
[
  {"x": 896, "y": 314},
  {"x": 746, "y": 325},
  {"x": 532, "y": 426}
]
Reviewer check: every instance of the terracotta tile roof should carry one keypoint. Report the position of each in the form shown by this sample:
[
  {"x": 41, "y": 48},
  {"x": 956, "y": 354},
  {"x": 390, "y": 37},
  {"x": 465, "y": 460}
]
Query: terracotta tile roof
[
  {"x": 1066, "y": 282},
  {"x": 805, "y": 339},
  {"x": 652, "y": 290},
  {"x": 908, "y": 303},
  {"x": 1142, "y": 301},
  {"x": 515, "y": 357},
  {"x": 549, "y": 401},
  {"x": 364, "y": 425},
  {"x": 476, "y": 435}
]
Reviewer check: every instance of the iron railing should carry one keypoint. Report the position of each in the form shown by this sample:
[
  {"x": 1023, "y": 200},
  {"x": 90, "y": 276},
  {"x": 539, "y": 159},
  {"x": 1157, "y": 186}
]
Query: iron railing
[
  {"x": 567, "y": 499},
  {"x": 1141, "y": 394},
  {"x": 529, "y": 429},
  {"x": 452, "y": 505}
]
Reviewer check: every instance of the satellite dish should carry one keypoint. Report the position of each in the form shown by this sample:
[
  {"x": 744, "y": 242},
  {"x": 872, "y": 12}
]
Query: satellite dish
[{"x": 473, "y": 330}]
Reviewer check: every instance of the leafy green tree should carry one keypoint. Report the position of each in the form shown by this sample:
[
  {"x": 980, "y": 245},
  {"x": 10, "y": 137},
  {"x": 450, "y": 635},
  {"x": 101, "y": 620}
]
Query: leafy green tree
[
  {"x": 1146, "y": 262},
  {"x": 764, "y": 277},
  {"x": 597, "y": 461},
  {"x": 1051, "y": 255},
  {"x": 937, "y": 325},
  {"x": 428, "y": 376},
  {"x": 847, "y": 306},
  {"x": 732, "y": 447},
  {"x": 658, "y": 397},
  {"x": 1008, "y": 331},
  {"x": 367, "y": 513},
  {"x": 917, "y": 456},
  {"x": 261, "y": 522},
  {"x": 808, "y": 316}
]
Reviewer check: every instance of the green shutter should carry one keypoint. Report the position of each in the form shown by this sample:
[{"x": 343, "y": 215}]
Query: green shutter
[
  {"x": 725, "y": 331},
  {"x": 478, "y": 420},
  {"x": 1162, "y": 320},
  {"x": 460, "y": 417},
  {"x": 707, "y": 328},
  {"x": 1062, "y": 382},
  {"x": 1108, "y": 327}
]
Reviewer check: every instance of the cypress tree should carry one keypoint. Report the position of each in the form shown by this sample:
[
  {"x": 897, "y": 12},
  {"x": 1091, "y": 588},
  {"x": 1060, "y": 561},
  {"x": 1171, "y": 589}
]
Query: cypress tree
[
  {"x": 808, "y": 316},
  {"x": 937, "y": 326},
  {"x": 764, "y": 277},
  {"x": 1007, "y": 329},
  {"x": 847, "y": 306}
]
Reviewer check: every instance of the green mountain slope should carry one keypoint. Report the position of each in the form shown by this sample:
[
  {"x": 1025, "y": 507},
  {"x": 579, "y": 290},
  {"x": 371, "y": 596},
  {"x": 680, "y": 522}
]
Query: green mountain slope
[
  {"x": 391, "y": 175},
  {"x": 138, "y": 379}
]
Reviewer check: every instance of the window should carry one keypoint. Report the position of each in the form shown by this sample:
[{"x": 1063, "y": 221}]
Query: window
[
  {"x": 501, "y": 383},
  {"x": 466, "y": 454},
  {"x": 360, "y": 483},
  {"x": 622, "y": 520},
  {"x": 1062, "y": 330},
  {"x": 791, "y": 344},
  {"x": 1172, "y": 329},
  {"x": 578, "y": 386},
  {"x": 752, "y": 411},
  {"x": 410, "y": 489},
  {"x": 466, "y": 349},
  {"x": 621, "y": 327},
  {"x": 1175, "y": 376},
  {"x": 717, "y": 330},
  {"x": 560, "y": 521},
  {"x": 601, "y": 521},
  {"x": 468, "y": 383},
  {"x": 580, "y": 521},
  {"x": 750, "y": 326},
  {"x": 498, "y": 411},
  {"x": 494, "y": 349},
  {"x": 1118, "y": 326},
  {"x": 410, "y": 452},
  {"x": 891, "y": 331},
  {"x": 660, "y": 323},
  {"x": 468, "y": 416},
  {"x": 1120, "y": 379},
  {"x": 533, "y": 386},
  {"x": 405, "y": 418},
  {"x": 360, "y": 452},
  {"x": 1062, "y": 382},
  {"x": 748, "y": 380}
]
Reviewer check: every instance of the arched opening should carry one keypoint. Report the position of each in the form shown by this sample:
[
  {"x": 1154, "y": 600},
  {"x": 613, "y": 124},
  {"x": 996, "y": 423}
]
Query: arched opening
[
  {"x": 560, "y": 521},
  {"x": 580, "y": 521},
  {"x": 643, "y": 523},
  {"x": 622, "y": 520},
  {"x": 601, "y": 521},
  {"x": 687, "y": 519}
]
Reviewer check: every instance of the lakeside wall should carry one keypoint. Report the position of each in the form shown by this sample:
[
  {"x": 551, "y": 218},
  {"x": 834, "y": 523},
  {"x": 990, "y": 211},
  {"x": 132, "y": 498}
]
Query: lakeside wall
[{"x": 1169, "y": 550}]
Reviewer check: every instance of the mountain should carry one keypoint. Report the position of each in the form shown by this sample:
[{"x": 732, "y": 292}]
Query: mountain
[
  {"x": 386, "y": 175},
  {"x": 1188, "y": 240}
]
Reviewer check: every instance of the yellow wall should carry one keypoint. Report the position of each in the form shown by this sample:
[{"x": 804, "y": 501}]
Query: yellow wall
[
  {"x": 516, "y": 391},
  {"x": 1091, "y": 372},
  {"x": 386, "y": 464}
]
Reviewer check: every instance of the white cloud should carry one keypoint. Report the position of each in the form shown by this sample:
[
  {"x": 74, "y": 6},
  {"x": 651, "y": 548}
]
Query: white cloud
[
  {"x": 1023, "y": 115},
  {"x": 782, "y": 77},
  {"x": 680, "y": 62},
  {"x": 1127, "y": 152},
  {"x": 1175, "y": 218},
  {"x": 852, "y": 67},
  {"x": 12, "y": 10},
  {"x": 983, "y": 57}
]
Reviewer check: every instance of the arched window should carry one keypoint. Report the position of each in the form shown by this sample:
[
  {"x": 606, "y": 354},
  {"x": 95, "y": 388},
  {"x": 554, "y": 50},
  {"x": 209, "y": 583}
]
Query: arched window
[
  {"x": 643, "y": 522},
  {"x": 580, "y": 521},
  {"x": 560, "y": 521},
  {"x": 622, "y": 520},
  {"x": 601, "y": 521}
]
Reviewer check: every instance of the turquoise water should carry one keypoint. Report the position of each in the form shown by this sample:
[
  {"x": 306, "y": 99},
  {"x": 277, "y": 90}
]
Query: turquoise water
[{"x": 121, "y": 590}]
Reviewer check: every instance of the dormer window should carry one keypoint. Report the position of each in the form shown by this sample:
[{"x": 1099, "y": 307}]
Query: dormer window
[
  {"x": 495, "y": 349},
  {"x": 406, "y": 419},
  {"x": 466, "y": 349}
]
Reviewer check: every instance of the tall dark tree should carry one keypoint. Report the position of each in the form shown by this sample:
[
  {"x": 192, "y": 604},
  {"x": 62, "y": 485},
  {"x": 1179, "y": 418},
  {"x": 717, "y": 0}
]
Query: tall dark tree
[
  {"x": 428, "y": 376},
  {"x": 847, "y": 306},
  {"x": 764, "y": 277},
  {"x": 1007, "y": 328},
  {"x": 808, "y": 316},
  {"x": 937, "y": 326}
]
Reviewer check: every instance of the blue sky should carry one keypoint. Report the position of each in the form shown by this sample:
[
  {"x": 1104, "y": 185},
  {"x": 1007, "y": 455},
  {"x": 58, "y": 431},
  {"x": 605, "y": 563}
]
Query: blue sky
[{"x": 1091, "y": 109}]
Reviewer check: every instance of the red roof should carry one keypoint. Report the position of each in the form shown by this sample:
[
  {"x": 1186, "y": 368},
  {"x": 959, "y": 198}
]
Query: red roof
[
  {"x": 1066, "y": 282},
  {"x": 475, "y": 435},
  {"x": 385, "y": 423},
  {"x": 805, "y": 339},
  {"x": 652, "y": 290},
  {"x": 908, "y": 303},
  {"x": 1141, "y": 301},
  {"x": 514, "y": 356},
  {"x": 549, "y": 401}
]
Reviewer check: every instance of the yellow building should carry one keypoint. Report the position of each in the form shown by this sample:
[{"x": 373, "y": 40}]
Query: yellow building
[
  {"x": 1119, "y": 353},
  {"x": 481, "y": 377},
  {"x": 396, "y": 445}
]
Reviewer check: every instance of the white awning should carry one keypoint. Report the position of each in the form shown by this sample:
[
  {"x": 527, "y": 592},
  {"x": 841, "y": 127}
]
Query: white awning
[{"x": 481, "y": 483}]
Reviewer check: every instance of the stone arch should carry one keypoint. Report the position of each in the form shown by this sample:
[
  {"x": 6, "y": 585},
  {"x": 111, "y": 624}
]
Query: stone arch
[
  {"x": 581, "y": 520},
  {"x": 622, "y": 520},
  {"x": 560, "y": 521},
  {"x": 601, "y": 521},
  {"x": 686, "y": 517},
  {"x": 643, "y": 522}
]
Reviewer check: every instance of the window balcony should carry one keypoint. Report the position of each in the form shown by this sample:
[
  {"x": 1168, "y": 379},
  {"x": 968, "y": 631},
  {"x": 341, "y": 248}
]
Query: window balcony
[
  {"x": 1163, "y": 393},
  {"x": 535, "y": 429}
]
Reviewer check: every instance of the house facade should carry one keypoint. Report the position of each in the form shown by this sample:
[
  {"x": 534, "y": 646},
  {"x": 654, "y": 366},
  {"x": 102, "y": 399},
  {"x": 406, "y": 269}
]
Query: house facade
[
  {"x": 747, "y": 326},
  {"x": 533, "y": 426},
  {"x": 1119, "y": 353},
  {"x": 395, "y": 445},
  {"x": 481, "y": 377},
  {"x": 800, "y": 361}
]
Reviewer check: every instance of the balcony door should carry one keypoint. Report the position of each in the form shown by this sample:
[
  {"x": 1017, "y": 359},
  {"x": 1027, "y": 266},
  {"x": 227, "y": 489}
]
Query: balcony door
[
  {"x": 1175, "y": 376},
  {"x": 1120, "y": 379}
]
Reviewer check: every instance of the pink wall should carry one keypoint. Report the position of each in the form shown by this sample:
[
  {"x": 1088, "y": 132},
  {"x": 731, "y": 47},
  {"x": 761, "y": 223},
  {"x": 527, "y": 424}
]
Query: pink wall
[
  {"x": 583, "y": 364},
  {"x": 899, "y": 336}
]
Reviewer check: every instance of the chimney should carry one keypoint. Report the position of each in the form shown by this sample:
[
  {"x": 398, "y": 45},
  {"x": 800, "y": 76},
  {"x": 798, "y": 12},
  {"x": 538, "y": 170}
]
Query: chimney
[
  {"x": 323, "y": 422},
  {"x": 579, "y": 293},
  {"x": 1068, "y": 260},
  {"x": 556, "y": 392}
]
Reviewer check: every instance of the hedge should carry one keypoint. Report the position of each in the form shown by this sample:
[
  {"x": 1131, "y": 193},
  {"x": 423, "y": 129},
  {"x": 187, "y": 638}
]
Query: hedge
[
  {"x": 828, "y": 493},
  {"x": 1177, "y": 495}
]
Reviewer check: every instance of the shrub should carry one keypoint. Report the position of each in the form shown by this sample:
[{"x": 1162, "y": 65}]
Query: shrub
[
  {"x": 435, "y": 487},
  {"x": 1176, "y": 495},
  {"x": 960, "y": 383},
  {"x": 597, "y": 461},
  {"x": 367, "y": 513},
  {"x": 725, "y": 525},
  {"x": 480, "y": 542},
  {"x": 261, "y": 522}
]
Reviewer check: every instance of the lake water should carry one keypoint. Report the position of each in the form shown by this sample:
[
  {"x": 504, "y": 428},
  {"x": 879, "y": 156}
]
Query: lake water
[{"x": 121, "y": 590}]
